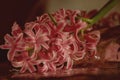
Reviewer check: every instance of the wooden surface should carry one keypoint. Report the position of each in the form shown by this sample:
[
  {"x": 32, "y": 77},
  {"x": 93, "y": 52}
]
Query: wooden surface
[{"x": 111, "y": 73}]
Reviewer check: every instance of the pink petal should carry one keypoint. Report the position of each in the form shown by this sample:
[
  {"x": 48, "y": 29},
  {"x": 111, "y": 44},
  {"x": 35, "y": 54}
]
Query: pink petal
[
  {"x": 93, "y": 37},
  {"x": 11, "y": 54},
  {"x": 69, "y": 63},
  {"x": 30, "y": 33},
  {"x": 5, "y": 46},
  {"x": 43, "y": 68},
  {"x": 8, "y": 38},
  {"x": 45, "y": 45},
  {"x": 60, "y": 26},
  {"x": 79, "y": 55},
  {"x": 17, "y": 64},
  {"x": 37, "y": 48},
  {"x": 20, "y": 37},
  {"x": 24, "y": 68},
  {"x": 31, "y": 67},
  {"x": 51, "y": 66},
  {"x": 16, "y": 30}
]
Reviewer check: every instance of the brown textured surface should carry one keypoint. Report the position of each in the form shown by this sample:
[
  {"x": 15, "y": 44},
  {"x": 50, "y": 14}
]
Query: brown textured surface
[{"x": 105, "y": 73}]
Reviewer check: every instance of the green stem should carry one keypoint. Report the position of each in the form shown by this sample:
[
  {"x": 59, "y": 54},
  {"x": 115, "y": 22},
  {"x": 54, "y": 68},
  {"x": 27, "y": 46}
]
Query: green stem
[
  {"x": 104, "y": 10},
  {"x": 51, "y": 17}
]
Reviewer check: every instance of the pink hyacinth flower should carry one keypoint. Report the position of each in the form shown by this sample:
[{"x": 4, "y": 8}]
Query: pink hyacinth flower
[
  {"x": 39, "y": 39},
  {"x": 13, "y": 44},
  {"x": 69, "y": 17},
  {"x": 16, "y": 30},
  {"x": 91, "y": 41},
  {"x": 25, "y": 62},
  {"x": 50, "y": 43}
]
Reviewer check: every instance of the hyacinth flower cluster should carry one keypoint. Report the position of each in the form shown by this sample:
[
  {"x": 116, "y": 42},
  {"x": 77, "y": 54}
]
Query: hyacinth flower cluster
[
  {"x": 50, "y": 43},
  {"x": 54, "y": 41}
]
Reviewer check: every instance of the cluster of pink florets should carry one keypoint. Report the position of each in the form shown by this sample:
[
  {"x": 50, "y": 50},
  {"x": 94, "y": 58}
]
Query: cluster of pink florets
[{"x": 45, "y": 45}]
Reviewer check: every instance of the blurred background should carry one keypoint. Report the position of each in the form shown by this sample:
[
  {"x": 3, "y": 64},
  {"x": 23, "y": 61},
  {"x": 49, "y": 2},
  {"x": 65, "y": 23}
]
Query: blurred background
[
  {"x": 23, "y": 11},
  {"x": 19, "y": 11},
  {"x": 87, "y": 5}
]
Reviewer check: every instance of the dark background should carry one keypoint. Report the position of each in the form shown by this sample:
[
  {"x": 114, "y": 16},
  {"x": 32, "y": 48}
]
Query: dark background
[{"x": 20, "y": 11}]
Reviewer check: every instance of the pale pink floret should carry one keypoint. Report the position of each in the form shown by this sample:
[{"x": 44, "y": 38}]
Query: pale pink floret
[
  {"x": 16, "y": 30},
  {"x": 47, "y": 63},
  {"x": 39, "y": 39},
  {"x": 25, "y": 62},
  {"x": 92, "y": 40},
  {"x": 13, "y": 44},
  {"x": 69, "y": 17}
]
